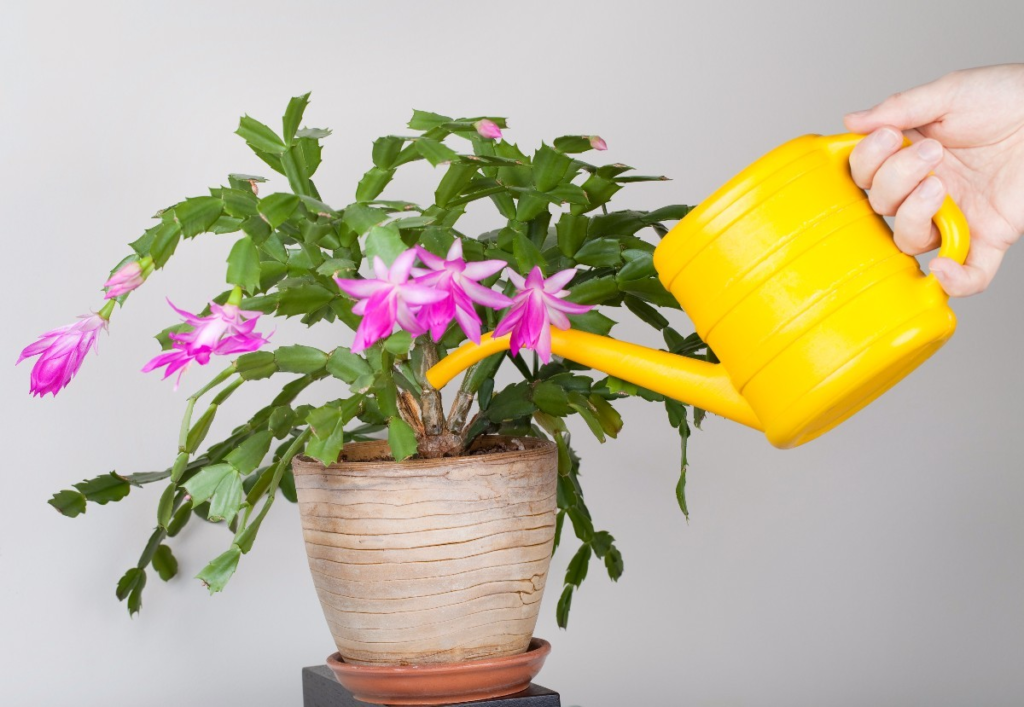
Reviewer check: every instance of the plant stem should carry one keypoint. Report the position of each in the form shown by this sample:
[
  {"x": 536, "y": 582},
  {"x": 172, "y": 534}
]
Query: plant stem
[
  {"x": 186, "y": 420},
  {"x": 107, "y": 309},
  {"x": 475, "y": 377},
  {"x": 517, "y": 360},
  {"x": 297, "y": 444},
  {"x": 228, "y": 390},
  {"x": 186, "y": 424},
  {"x": 409, "y": 410},
  {"x": 464, "y": 432},
  {"x": 463, "y": 401},
  {"x": 180, "y": 464},
  {"x": 460, "y": 410},
  {"x": 430, "y": 397},
  {"x": 275, "y": 481},
  {"x": 217, "y": 380}
]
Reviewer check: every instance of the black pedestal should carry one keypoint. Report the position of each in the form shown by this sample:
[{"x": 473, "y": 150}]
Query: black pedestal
[{"x": 320, "y": 689}]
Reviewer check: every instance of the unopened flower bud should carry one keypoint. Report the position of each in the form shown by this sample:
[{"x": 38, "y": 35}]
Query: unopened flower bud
[
  {"x": 126, "y": 279},
  {"x": 488, "y": 129}
]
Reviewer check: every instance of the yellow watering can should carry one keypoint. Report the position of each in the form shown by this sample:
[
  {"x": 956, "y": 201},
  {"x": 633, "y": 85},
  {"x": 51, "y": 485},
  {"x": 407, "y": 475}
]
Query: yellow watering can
[{"x": 797, "y": 286}]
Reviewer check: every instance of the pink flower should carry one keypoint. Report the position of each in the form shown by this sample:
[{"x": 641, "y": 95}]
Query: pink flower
[
  {"x": 389, "y": 298},
  {"x": 176, "y": 360},
  {"x": 124, "y": 280},
  {"x": 226, "y": 331},
  {"x": 488, "y": 129},
  {"x": 538, "y": 305},
  {"x": 61, "y": 352},
  {"x": 597, "y": 143},
  {"x": 458, "y": 280}
]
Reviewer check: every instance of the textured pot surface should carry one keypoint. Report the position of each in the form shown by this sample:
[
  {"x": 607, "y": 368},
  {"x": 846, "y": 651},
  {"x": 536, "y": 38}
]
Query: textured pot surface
[{"x": 430, "y": 560}]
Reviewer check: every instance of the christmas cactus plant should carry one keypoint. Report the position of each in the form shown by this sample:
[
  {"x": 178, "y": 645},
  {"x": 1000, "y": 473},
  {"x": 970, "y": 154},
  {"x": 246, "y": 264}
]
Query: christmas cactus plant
[{"x": 412, "y": 286}]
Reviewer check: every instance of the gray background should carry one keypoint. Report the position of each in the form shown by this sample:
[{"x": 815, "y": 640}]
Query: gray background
[{"x": 879, "y": 565}]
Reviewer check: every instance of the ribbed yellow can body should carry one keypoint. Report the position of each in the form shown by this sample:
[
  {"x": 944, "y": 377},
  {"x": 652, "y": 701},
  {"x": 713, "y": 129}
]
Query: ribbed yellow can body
[{"x": 799, "y": 288}]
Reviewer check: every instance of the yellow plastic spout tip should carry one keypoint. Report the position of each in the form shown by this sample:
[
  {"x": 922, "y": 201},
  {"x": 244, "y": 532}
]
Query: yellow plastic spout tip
[
  {"x": 688, "y": 380},
  {"x": 465, "y": 356}
]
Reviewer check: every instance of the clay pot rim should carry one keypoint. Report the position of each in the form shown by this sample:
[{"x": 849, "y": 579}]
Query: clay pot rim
[
  {"x": 537, "y": 652},
  {"x": 535, "y": 448}
]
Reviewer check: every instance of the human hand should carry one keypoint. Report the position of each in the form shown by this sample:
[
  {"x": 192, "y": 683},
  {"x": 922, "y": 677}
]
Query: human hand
[{"x": 968, "y": 129}]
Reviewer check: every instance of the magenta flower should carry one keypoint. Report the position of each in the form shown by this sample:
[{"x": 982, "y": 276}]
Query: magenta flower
[
  {"x": 537, "y": 307},
  {"x": 124, "y": 280},
  {"x": 597, "y": 143},
  {"x": 458, "y": 280},
  {"x": 61, "y": 352},
  {"x": 226, "y": 331},
  {"x": 488, "y": 129},
  {"x": 176, "y": 360},
  {"x": 389, "y": 298}
]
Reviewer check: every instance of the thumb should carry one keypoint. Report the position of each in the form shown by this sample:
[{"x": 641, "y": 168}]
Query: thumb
[
  {"x": 970, "y": 278},
  {"x": 905, "y": 110}
]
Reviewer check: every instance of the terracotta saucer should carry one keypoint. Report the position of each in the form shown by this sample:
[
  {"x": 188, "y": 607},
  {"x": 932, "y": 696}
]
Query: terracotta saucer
[{"x": 443, "y": 683}]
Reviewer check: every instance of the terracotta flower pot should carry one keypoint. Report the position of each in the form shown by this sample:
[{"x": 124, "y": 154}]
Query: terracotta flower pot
[{"x": 430, "y": 560}]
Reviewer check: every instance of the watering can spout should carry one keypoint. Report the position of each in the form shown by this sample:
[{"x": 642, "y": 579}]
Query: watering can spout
[{"x": 699, "y": 383}]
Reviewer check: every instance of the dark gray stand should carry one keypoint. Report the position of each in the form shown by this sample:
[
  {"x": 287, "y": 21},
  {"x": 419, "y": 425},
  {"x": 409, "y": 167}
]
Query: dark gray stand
[{"x": 320, "y": 689}]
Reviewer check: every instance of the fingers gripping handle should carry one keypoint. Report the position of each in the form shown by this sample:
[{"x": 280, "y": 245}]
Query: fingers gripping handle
[{"x": 950, "y": 220}]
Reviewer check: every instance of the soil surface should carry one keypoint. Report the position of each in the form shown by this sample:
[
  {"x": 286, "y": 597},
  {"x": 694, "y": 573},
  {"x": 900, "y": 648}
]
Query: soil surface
[
  {"x": 476, "y": 450},
  {"x": 513, "y": 445}
]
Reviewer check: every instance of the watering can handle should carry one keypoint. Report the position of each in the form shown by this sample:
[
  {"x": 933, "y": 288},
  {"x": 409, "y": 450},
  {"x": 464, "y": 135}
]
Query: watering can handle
[
  {"x": 950, "y": 220},
  {"x": 956, "y": 236}
]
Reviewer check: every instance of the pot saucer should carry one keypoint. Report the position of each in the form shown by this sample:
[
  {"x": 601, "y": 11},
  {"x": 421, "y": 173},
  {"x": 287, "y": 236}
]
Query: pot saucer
[{"x": 441, "y": 683}]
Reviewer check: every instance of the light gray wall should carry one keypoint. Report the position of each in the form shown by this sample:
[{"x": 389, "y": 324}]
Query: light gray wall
[{"x": 879, "y": 565}]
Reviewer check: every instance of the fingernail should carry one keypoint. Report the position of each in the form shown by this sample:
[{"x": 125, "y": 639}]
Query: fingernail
[
  {"x": 931, "y": 188},
  {"x": 888, "y": 138},
  {"x": 939, "y": 273},
  {"x": 858, "y": 113},
  {"x": 929, "y": 150}
]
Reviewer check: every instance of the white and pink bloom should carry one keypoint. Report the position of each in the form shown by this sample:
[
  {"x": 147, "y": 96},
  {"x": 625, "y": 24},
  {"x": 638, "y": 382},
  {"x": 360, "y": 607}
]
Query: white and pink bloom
[
  {"x": 538, "y": 306},
  {"x": 447, "y": 289},
  {"x": 390, "y": 298},
  {"x": 598, "y": 143},
  {"x": 228, "y": 330},
  {"x": 61, "y": 352},
  {"x": 458, "y": 279},
  {"x": 126, "y": 279},
  {"x": 488, "y": 129}
]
